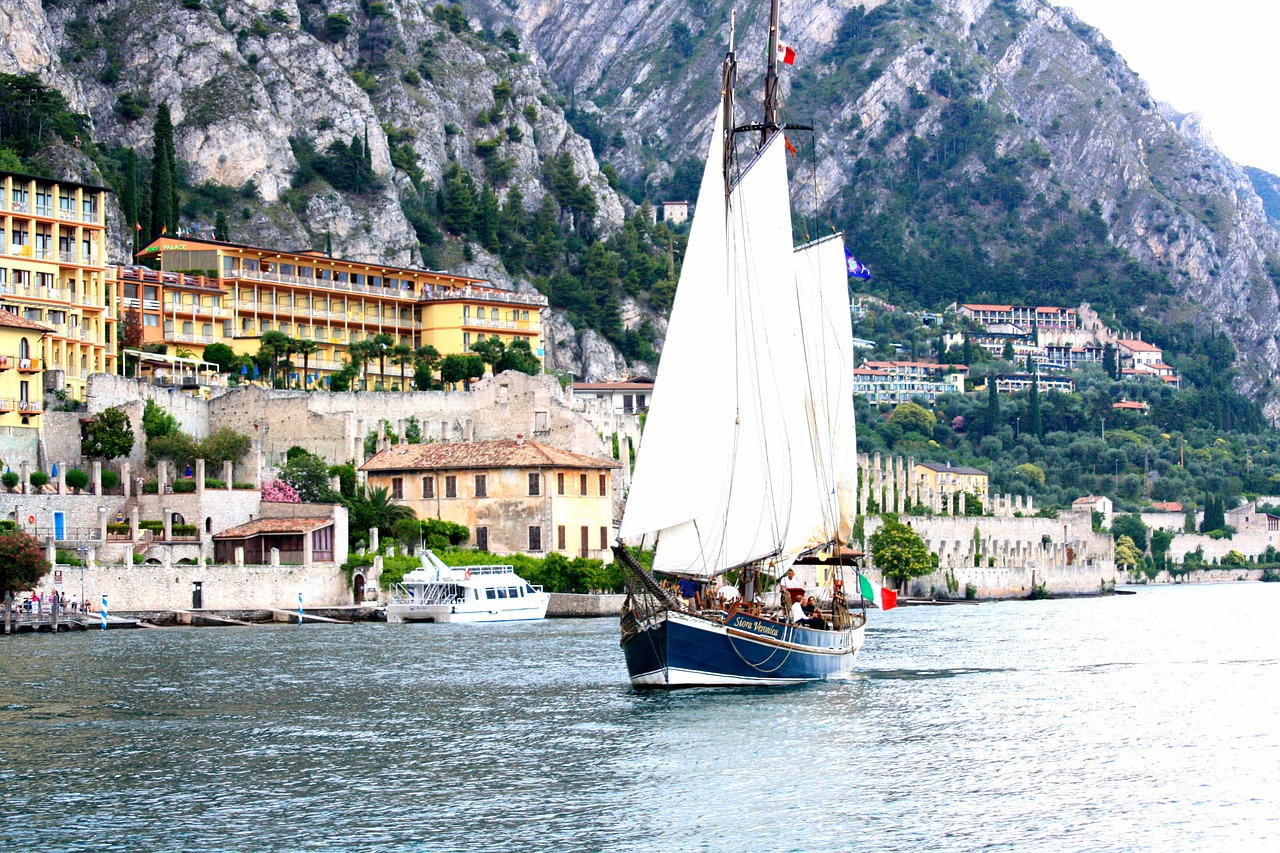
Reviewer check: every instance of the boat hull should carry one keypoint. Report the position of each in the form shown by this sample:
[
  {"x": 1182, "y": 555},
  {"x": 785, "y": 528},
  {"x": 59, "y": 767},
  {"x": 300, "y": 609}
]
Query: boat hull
[
  {"x": 682, "y": 650},
  {"x": 536, "y": 609}
]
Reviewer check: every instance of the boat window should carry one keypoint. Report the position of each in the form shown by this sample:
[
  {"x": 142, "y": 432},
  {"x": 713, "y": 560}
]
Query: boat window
[
  {"x": 528, "y": 589},
  {"x": 513, "y": 592},
  {"x": 502, "y": 593},
  {"x": 490, "y": 593}
]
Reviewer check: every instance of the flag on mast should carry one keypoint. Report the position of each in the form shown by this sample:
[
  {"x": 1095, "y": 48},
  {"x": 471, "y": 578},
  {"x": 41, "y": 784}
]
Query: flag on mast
[
  {"x": 786, "y": 54},
  {"x": 885, "y": 599},
  {"x": 855, "y": 267}
]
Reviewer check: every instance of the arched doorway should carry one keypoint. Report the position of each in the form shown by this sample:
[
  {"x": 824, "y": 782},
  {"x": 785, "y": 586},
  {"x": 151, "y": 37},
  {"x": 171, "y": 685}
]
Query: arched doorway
[{"x": 357, "y": 582}]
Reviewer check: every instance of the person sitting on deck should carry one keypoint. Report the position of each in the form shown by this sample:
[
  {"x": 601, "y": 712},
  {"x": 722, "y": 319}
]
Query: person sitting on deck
[{"x": 812, "y": 618}]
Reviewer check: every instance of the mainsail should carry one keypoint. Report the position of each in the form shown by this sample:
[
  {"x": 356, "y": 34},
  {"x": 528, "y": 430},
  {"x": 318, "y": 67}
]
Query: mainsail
[
  {"x": 726, "y": 468},
  {"x": 823, "y": 291}
]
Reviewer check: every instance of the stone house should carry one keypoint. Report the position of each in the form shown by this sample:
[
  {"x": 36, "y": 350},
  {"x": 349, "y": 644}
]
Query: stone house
[{"x": 515, "y": 496}]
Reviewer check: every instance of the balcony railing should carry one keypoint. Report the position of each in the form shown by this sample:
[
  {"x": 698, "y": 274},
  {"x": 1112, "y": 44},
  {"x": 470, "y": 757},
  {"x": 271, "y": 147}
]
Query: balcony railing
[
  {"x": 30, "y": 407},
  {"x": 68, "y": 214},
  {"x": 325, "y": 284},
  {"x": 29, "y": 365},
  {"x": 506, "y": 297}
]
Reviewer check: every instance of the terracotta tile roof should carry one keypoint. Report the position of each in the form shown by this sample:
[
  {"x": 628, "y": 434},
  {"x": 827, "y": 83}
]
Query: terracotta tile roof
[
  {"x": 1087, "y": 499},
  {"x": 639, "y": 384},
  {"x": 16, "y": 321},
  {"x": 260, "y": 526},
  {"x": 1166, "y": 506},
  {"x": 502, "y": 453},
  {"x": 973, "y": 306},
  {"x": 1138, "y": 346},
  {"x": 1130, "y": 404}
]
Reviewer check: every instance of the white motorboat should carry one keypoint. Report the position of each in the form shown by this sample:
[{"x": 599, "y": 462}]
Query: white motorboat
[{"x": 440, "y": 593}]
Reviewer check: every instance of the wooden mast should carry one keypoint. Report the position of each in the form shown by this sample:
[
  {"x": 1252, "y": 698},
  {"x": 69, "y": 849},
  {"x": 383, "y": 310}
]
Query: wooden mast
[{"x": 772, "y": 120}]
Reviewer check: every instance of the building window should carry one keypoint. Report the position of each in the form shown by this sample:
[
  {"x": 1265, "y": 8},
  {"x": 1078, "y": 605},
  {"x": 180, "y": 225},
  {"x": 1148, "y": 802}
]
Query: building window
[
  {"x": 534, "y": 484},
  {"x": 560, "y": 537},
  {"x": 604, "y": 537},
  {"x": 583, "y": 537},
  {"x": 397, "y": 488},
  {"x": 535, "y": 538},
  {"x": 466, "y": 342},
  {"x": 604, "y": 484},
  {"x": 482, "y": 538},
  {"x": 450, "y": 486},
  {"x": 428, "y": 487},
  {"x": 151, "y": 319},
  {"x": 582, "y": 485},
  {"x": 482, "y": 486},
  {"x": 559, "y": 482}
]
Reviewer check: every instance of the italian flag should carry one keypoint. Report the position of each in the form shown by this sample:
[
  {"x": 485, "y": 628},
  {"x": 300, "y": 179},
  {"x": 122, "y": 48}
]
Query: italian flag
[
  {"x": 786, "y": 54},
  {"x": 885, "y": 599}
]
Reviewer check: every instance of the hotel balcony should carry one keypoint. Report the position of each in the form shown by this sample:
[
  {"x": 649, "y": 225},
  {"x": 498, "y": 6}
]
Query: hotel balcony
[
  {"x": 30, "y": 407},
  {"x": 317, "y": 283},
  {"x": 503, "y": 297},
  {"x": 29, "y": 365}
]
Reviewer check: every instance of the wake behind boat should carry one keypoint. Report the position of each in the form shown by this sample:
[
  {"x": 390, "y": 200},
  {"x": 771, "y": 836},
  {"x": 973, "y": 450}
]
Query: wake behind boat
[
  {"x": 741, "y": 476},
  {"x": 440, "y": 593}
]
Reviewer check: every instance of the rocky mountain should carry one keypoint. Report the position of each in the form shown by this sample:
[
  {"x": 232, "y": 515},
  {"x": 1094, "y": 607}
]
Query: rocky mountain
[
  {"x": 971, "y": 149},
  {"x": 247, "y": 81}
]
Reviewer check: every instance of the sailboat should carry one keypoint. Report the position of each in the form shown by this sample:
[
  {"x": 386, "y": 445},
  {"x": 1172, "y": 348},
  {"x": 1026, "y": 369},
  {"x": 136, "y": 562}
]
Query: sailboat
[{"x": 747, "y": 463}]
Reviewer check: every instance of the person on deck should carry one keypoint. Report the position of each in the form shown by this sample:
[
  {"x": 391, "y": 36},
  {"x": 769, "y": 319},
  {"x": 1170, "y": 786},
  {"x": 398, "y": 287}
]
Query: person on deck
[
  {"x": 812, "y": 617},
  {"x": 790, "y": 587}
]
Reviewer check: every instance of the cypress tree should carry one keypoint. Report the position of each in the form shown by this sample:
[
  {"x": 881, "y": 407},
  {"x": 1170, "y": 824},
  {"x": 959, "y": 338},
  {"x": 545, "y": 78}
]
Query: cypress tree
[
  {"x": 130, "y": 203},
  {"x": 993, "y": 406},
  {"x": 164, "y": 176},
  {"x": 368, "y": 154},
  {"x": 220, "y": 231},
  {"x": 1034, "y": 422}
]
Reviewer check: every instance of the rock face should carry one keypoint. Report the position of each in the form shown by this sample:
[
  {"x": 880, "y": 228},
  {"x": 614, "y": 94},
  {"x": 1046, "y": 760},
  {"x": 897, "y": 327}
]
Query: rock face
[
  {"x": 1168, "y": 197},
  {"x": 244, "y": 79}
]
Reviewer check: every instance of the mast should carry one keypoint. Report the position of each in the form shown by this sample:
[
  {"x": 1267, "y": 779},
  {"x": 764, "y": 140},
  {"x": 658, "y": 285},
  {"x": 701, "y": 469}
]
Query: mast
[
  {"x": 726, "y": 97},
  {"x": 772, "y": 120}
]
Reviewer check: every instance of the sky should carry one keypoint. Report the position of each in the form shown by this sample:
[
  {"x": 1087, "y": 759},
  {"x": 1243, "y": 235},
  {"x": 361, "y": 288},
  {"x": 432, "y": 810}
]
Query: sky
[{"x": 1219, "y": 58}]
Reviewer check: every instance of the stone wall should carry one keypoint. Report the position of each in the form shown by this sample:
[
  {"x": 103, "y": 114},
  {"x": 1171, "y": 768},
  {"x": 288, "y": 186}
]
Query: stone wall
[
  {"x": 335, "y": 425},
  {"x": 1249, "y": 544},
  {"x": 18, "y": 445},
  {"x": 1063, "y": 553},
  {"x": 1201, "y": 576},
  {"x": 159, "y": 587},
  {"x": 60, "y": 440}
]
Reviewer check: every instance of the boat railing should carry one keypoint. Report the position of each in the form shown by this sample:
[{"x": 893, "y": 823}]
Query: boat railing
[{"x": 441, "y": 593}]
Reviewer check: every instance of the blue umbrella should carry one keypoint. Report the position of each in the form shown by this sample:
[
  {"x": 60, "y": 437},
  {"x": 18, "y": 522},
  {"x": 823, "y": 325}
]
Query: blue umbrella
[
  {"x": 55, "y": 470},
  {"x": 255, "y": 370},
  {"x": 244, "y": 370}
]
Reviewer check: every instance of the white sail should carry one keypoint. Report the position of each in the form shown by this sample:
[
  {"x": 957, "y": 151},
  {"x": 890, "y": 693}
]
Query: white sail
[
  {"x": 726, "y": 478},
  {"x": 822, "y": 282},
  {"x": 679, "y": 469}
]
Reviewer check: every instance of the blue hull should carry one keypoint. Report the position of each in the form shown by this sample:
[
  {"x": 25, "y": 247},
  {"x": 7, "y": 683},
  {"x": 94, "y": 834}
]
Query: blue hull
[{"x": 681, "y": 650}]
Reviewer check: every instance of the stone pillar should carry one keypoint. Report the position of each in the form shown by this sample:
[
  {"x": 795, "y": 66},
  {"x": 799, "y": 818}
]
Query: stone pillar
[
  {"x": 166, "y": 515},
  {"x": 200, "y": 482},
  {"x": 275, "y": 556},
  {"x": 166, "y": 558},
  {"x": 96, "y": 476},
  {"x": 62, "y": 479},
  {"x": 102, "y": 523},
  {"x": 92, "y": 557},
  {"x": 877, "y": 490},
  {"x": 25, "y": 470},
  {"x": 133, "y": 523},
  {"x": 240, "y": 556},
  {"x": 228, "y": 473},
  {"x": 257, "y": 472},
  {"x": 51, "y": 551},
  {"x": 162, "y": 477},
  {"x": 335, "y": 483},
  {"x": 373, "y": 540},
  {"x": 126, "y": 478},
  {"x": 308, "y": 552}
]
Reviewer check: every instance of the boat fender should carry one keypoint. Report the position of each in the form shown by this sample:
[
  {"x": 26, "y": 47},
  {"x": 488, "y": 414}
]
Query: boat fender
[{"x": 467, "y": 574}]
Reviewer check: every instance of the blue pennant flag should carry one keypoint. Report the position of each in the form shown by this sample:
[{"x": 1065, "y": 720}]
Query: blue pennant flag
[
  {"x": 255, "y": 371},
  {"x": 855, "y": 267}
]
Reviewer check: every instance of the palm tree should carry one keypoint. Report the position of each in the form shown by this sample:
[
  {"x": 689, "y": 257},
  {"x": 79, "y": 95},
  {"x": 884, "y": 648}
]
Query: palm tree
[
  {"x": 375, "y": 508},
  {"x": 273, "y": 346},
  {"x": 358, "y": 352},
  {"x": 425, "y": 359},
  {"x": 305, "y": 348},
  {"x": 381, "y": 343},
  {"x": 402, "y": 354}
]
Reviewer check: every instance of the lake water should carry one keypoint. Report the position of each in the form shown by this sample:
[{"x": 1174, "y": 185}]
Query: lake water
[{"x": 1148, "y": 722}]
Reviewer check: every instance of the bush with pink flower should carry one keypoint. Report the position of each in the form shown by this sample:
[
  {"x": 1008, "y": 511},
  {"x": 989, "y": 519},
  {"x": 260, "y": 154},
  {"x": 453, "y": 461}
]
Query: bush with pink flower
[{"x": 278, "y": 491}]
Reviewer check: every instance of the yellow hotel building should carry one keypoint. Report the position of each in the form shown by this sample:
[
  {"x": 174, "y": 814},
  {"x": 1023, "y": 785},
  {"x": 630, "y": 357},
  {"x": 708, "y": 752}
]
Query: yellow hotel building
[
  {"x": 53, "y": 272},
  {"x": 212, "y": 292},
  {"x": 21, "y": 378}
]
